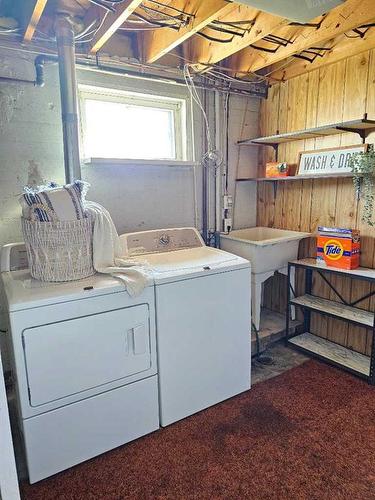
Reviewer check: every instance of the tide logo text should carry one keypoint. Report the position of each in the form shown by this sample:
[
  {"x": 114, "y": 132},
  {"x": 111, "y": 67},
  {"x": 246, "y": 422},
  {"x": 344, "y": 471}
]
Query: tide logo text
[{"x": 333, "y": 249}]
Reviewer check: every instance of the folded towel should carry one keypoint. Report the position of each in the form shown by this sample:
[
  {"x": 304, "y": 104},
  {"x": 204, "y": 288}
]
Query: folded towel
[
  {"x": 54, "y": 203},
  {"x": 107, "y": 252}
]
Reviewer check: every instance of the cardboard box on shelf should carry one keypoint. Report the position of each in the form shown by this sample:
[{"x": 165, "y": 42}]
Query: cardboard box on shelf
[
  {"x": 338, "y": 247},
  {"x": 277, "y": 169}
]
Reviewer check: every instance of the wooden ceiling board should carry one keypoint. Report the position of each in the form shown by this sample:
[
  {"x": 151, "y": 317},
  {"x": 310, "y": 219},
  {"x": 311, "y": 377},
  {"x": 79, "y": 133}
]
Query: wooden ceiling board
[
  {"x": 341, "y": 48},
  {"x": 342, "y": 19},
  {"x": 159, "y": 42},
  {"x": 208, "y": 52}
]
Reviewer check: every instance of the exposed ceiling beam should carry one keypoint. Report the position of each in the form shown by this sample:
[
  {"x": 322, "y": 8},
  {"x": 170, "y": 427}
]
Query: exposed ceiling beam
[
  {"x": 351, "y": 14},
  {"x": 113, "y": 21},
  {"x": 209, "y": 52},
  {"x": 342, "y": 48},
  {"x": 39, "y": 7},
  {"x": 159, "y": 42}
]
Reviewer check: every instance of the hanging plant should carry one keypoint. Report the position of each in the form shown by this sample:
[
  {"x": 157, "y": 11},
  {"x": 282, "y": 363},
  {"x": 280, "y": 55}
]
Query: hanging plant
[{"x": 363, "y": 168}]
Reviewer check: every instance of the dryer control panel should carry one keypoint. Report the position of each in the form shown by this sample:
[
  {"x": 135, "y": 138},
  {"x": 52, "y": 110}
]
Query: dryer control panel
[{"x": 161, "y": 240}]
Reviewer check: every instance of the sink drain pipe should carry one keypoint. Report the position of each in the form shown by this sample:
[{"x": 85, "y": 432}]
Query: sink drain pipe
[{"x": 64, "y": 33}]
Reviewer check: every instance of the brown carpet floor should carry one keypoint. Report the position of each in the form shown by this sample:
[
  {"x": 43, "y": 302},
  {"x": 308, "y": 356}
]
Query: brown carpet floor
[{"x": 306, "y": 434}]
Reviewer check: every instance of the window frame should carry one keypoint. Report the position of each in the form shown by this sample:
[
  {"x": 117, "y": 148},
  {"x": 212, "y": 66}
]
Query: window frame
[{"x": 174, "y": 104}]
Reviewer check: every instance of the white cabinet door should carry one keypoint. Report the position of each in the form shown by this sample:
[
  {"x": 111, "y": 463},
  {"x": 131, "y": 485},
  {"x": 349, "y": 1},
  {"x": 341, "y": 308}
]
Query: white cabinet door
[
  {"x": 73, "y": 356},
  {"x": 8, "y": 475}
]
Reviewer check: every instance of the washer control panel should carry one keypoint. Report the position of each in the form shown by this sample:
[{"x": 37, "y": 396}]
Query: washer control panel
[{"x": 161, "y": 240}]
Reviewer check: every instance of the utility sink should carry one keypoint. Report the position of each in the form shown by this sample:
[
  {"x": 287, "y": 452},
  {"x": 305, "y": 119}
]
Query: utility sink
[{"x": 268, "y": 250}]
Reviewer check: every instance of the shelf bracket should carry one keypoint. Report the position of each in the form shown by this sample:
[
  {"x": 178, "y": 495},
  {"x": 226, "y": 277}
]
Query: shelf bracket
[
  {"x": 276, "y": 149},
  {"x": 363, "y": 133},
  {"x": 274, "y": 189}
]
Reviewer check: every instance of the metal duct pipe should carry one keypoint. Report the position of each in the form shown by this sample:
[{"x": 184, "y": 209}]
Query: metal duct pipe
[{"x": 68, "y": 92}]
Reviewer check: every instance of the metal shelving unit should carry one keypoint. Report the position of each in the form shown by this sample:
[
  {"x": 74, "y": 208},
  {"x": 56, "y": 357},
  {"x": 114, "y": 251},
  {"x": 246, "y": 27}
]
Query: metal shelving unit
[{"x": 324, "y": 349}]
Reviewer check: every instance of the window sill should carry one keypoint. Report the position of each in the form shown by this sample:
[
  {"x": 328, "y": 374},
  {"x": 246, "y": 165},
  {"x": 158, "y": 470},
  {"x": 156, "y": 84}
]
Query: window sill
[{"x": 126, "y": 161}]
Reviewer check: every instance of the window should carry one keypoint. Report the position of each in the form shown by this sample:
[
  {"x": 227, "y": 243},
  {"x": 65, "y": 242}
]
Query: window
[{"x": 117, "y": 124}]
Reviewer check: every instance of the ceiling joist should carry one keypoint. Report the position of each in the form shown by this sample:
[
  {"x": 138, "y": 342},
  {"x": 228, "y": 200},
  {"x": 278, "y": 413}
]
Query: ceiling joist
[
  {"x": 159, "y": 42},
  {"x": 207, "y": 52},
  {"x": 111, "y": 22},
  {"x": 341, "y": 48},
  {"x": 34, "y": 19},
  {"x": 351, "y": 14}
]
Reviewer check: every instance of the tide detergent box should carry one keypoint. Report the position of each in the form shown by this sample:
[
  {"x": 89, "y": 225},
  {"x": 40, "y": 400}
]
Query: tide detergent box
[{"x": 338, "y": 247}]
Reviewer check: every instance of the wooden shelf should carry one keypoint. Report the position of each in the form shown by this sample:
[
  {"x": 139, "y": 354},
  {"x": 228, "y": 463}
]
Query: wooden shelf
[
  {"x": 335, "y": 309},
  {"x": 329, "y": 351},
  {"x": 365, "y": 273},
  {"x": 333, "y": 352},
  {"x": 362, "y": 127},
  {"x": 296, "y": 177}
]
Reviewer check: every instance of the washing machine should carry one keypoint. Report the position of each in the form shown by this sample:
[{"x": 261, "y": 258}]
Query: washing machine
[
  {"x": 84, "y": 360},
  {"x": 202, "y": 298}
]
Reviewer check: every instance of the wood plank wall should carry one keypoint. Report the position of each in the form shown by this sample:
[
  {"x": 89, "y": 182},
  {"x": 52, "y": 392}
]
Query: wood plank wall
[{"x": 339, "y": 92}]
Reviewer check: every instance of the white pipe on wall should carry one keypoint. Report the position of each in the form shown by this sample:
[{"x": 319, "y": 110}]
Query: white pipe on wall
[{"x": 218, "y": 172}]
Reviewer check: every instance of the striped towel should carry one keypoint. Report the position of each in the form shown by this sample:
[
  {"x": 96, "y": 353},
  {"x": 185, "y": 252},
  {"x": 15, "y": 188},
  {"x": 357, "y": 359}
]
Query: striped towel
[{"x": 54, "y": 203}]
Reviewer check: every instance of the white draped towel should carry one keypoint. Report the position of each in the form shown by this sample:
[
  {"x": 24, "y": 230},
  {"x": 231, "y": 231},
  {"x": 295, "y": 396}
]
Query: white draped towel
[{"x": 107, "y": 252}]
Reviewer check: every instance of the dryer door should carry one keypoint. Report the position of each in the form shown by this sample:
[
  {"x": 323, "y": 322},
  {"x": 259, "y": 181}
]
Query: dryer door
[{"x": 73, "y": 356}]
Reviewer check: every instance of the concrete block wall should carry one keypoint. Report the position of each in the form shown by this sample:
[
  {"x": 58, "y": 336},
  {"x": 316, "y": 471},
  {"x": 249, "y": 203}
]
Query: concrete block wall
[{"x": 138, "y": 196}]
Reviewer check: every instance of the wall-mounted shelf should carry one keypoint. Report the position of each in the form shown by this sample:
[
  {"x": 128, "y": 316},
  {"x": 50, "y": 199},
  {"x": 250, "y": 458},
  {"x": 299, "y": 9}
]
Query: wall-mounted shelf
[
  {"x": 363, "y": 127},
  {"x": 296, "y": 177}
]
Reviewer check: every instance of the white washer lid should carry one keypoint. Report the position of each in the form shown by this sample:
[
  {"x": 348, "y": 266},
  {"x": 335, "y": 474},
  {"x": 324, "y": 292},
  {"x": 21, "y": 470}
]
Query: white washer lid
[
  {"x": 193, "y": 262},
  {"x": 24, "y": 292}
]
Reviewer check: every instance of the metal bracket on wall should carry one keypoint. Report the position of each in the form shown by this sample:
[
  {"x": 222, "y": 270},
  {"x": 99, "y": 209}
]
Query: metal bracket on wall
[
  {"x": 362, "y": 132},
  {"x": 275, "y": 184}
]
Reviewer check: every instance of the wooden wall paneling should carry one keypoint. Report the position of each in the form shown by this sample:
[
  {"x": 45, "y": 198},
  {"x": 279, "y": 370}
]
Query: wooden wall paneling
[
  {"x": 261, "y": 204},
  {"x": 307, "y": 246},
  {"x": 370, "y": 108},
  {"x": 269, "y": 123},
  {"x": 358, "y": 338},
  {"x": 370, "y": 104},
  {"x": 346, "y": 211},
  {"x": 331, "y": 93},
  {"x": 312, "y": 101},
  {"x": 266, "y": 204},
  {"x": 342, "y": 91},
  {"x": 323, "y": 210},
  {"x": 289, "y": 199},
  {"x": 296, "y": 120},
  {"x": 274, "y": 193},
  {"x": 270, "y": 111},
  {"x": 283, "y": 108},
  {"x": 323, "y": 207},
  {"x": 354, "y": 106},
  {"x": 355, "y": 95},
  {"x": 282, "y": 152}
]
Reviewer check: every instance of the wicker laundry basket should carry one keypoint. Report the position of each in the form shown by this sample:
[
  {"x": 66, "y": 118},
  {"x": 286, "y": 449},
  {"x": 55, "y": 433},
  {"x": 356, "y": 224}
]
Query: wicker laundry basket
[{"x": 59, "y": 251}]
